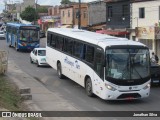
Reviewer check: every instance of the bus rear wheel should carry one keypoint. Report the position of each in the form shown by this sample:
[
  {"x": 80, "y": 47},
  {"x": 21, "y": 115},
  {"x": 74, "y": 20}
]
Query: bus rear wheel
[
  {"x": 88, "y": 87},
  {"x": 59, "y": 71}
]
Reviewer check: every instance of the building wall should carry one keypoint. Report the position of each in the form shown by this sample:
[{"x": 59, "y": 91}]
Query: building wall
[
  {"x": 152, "y": 15},
  {"x": 53, "y": 11},
  {"x": 152, "y": 18},
  {"x": 96, "y": 12},
  {"x": 117, "y": 21},
  {"x": 84, "y": 14},
  {"x": 65, "y": 19}
]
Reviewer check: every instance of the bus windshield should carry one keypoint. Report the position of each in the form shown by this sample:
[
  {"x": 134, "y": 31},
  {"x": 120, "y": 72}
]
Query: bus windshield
[
  {"x": 127, "y": 64},
  {"x": 29, "y": 35}
]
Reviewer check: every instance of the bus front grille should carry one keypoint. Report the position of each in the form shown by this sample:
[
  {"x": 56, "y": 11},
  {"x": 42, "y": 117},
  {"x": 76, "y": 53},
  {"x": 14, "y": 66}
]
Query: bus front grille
[{"x": 129, "y": 96}]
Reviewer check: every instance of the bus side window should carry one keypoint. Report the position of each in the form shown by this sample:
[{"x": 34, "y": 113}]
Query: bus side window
[
  {"x": 98, "y": 64},
  {"x": 78, "y": 50},
  {"x": 89, "y": 54},
  {"x": 68, "y": 46}
]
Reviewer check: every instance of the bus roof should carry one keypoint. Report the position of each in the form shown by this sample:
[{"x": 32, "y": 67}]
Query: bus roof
[
  {"x": 19, "y": 24},
  {"x": 102, "y": 40}
]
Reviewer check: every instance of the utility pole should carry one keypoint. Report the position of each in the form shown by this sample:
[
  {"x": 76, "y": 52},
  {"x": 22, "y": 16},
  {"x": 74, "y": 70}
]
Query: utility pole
[
  {"x": 35, "y": 12},
  {"x": 79, "y": 15}
]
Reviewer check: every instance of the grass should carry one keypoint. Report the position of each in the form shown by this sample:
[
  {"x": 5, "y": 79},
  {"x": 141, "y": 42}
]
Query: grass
[{"x": 9, "y": 97}]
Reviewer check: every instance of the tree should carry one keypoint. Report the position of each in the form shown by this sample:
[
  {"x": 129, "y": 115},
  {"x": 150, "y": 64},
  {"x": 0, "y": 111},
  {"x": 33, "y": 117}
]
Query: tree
[
  {"x": 65, "y": 1},
  {"x": 29, "y": 14},
  {"x": 42, "y": 10}
]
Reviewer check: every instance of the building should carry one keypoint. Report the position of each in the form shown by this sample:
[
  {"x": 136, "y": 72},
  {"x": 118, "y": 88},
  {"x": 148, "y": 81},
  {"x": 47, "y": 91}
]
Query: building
[
  {"x": 54, "y": 11},
  {"x": 117, "y": 17},
  {"x": 52, "y": 19},
  {"x": 145, "y": 19},
  {"x": 70, "y": 13},
  {"x": 96, "y": 15}
]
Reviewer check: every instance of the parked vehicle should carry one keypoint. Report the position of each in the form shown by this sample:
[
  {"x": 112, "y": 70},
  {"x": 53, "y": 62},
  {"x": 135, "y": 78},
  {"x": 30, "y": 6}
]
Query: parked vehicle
[
  {"x": 2, "y": 35},
  {"x": 155, "y": 73},
  {"x": 38, "y": 56},
  {"x": 42, "y": 34}
]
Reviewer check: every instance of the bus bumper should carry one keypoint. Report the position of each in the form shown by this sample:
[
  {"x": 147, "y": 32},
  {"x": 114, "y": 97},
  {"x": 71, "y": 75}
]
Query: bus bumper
[{"x": 141, "y": 92}]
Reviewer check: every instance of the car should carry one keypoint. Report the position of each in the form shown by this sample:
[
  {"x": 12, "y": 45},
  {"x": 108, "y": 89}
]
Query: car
[
  {"x": 38, "y": 56},
  {"x": 42, "y": 34},
  {"x": 2, "y": 35},
  {"x": 155, "y": 73}
]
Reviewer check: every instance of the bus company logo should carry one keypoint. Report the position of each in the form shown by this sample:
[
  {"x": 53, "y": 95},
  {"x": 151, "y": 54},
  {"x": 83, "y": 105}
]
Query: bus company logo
[
  {"x": 77, "y": 65},
  {"x": 66, "y": 60},
  {"x": 6, "y": 114}
]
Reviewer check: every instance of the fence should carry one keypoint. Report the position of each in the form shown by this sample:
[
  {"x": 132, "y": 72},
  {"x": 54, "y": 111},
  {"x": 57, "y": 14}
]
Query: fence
[{"x": 3, "y": 62}]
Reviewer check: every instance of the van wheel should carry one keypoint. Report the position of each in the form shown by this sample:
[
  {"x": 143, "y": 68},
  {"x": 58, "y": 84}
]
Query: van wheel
[
  {"x": 59, "y": 71},
  {"x": 88, "y": 87}
]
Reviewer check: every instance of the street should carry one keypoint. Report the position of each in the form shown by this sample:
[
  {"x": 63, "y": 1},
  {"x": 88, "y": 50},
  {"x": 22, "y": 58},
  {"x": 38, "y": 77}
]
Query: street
[{"x": 74, "y": 93}]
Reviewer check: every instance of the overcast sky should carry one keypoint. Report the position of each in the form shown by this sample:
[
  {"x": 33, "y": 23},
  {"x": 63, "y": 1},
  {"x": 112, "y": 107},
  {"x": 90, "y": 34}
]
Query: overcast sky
[{"x": 41, "y": 2}]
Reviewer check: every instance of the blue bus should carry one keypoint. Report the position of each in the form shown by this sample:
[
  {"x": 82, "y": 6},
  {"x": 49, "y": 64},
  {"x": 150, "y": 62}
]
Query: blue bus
[{"x": 22, "y": 36}]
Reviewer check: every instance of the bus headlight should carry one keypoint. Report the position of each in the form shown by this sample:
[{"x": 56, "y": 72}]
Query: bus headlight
[
  {"x": 110, "y": 87},
  {"x": 147, "y": 86}
]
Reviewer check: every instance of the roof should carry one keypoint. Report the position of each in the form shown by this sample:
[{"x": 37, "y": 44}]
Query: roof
[
  {"x": 102, "y": 40},
  {"x": 19, "y": 24},
  {"x": 40, "y": 48}
]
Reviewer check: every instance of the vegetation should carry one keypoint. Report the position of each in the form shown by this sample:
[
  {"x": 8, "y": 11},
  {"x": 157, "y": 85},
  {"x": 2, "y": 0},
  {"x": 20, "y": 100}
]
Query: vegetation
[
  {"x": 29, "y": 14},
  {"x": 9, "y": 96},
  {"x": 42, "y": 10},
  {"x": 65, "y": 1}
]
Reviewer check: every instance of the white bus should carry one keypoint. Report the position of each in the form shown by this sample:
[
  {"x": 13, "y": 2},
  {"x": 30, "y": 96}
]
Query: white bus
[{"x": 110, "y": 67}]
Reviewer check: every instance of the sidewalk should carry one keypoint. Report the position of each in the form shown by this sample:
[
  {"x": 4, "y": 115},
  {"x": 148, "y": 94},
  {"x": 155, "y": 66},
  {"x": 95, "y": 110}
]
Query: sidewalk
[{"x": 42, "y": 98}]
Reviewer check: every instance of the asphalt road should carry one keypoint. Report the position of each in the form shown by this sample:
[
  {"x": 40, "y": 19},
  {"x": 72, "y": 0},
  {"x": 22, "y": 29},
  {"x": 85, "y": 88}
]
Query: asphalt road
[{"x": 74, "y": 93}]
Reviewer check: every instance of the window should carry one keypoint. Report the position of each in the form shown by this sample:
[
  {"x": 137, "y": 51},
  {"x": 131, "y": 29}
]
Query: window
[
  {"x": 59, "y": 42},
  {"x": 78, "y": 50},
  {"x": 48, "y": 39},
  {"x": 89, "y": 56},
  {"x": 141, "y": 12},
  {"x": 110, "y": 12},
  {"x": 99, "y": 61},
  {"x": 53, "y": 41},
  {"x": 68, "y": 13},
  {"x": 85, "y": 14},
  {"x": 63, "y": 13},
  {"x": 68, "y": 46},
  {"x": 77, "y": 13},
  {"x": 125, "y": 10}
]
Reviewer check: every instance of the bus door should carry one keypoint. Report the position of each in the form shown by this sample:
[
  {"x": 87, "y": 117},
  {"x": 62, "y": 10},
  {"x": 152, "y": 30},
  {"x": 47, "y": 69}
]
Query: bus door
[{"x": 98, "y": 75}]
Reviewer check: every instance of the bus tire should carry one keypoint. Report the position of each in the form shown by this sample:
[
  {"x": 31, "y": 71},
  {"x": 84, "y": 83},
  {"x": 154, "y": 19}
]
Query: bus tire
[
  {"x": 88, "y": 87},
  {"x": 59, "y": 71}
]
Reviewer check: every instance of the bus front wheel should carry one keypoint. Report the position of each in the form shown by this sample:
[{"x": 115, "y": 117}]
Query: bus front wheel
[
  {"x": 59, "y": 71},
  {"x": 88, "y": 87}
]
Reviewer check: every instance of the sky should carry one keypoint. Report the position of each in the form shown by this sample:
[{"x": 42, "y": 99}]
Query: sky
[{"x": 41, "y": 2}]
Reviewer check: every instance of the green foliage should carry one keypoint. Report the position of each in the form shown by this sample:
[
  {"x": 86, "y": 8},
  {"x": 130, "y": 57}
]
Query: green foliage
[
  {"x": 42, "y": 10},
  {"x": 9, "y": 97},
  {"x": 29, "y": 14},
  {"x": 65, "y": 1}
]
